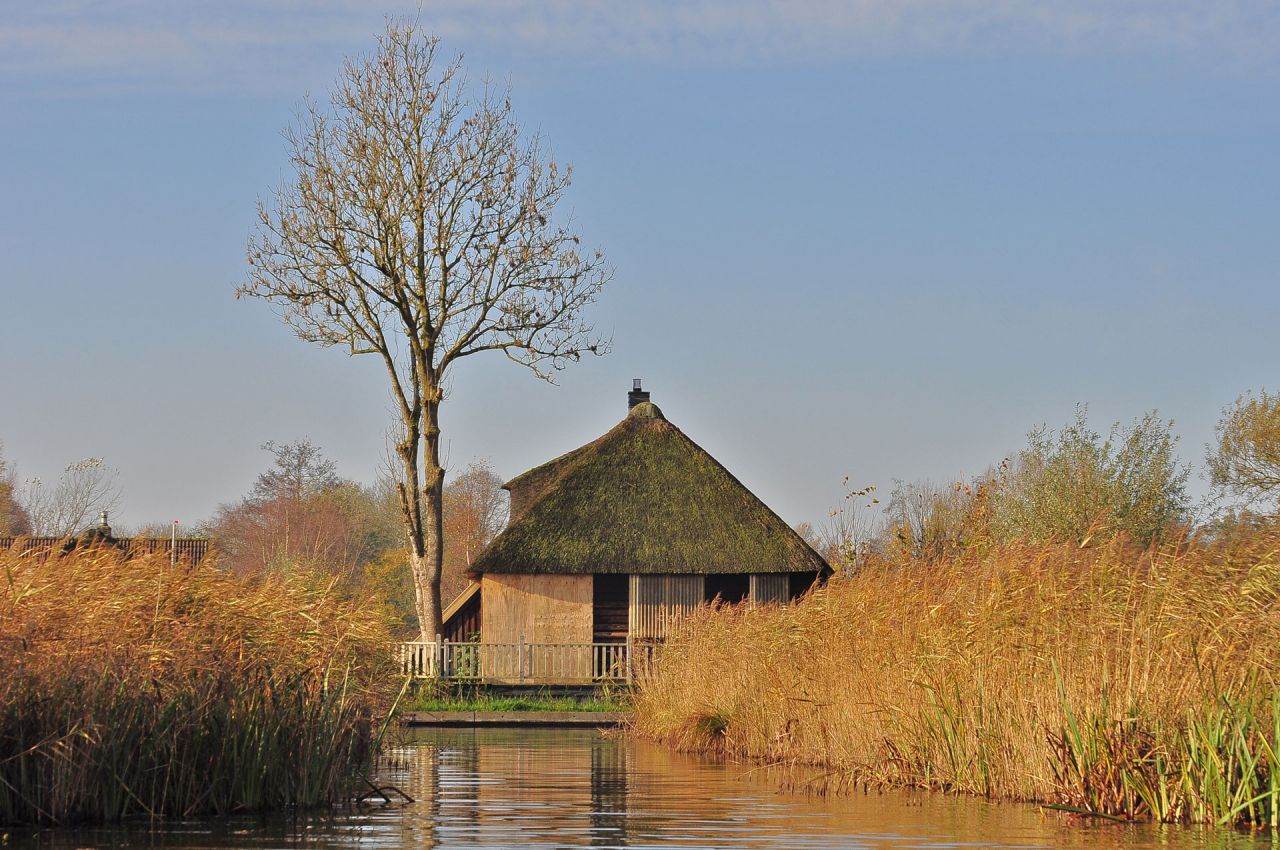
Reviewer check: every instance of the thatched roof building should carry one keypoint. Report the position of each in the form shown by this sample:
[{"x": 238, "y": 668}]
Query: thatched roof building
[
  {"x": 613, "y": 539},
  {"x": 644, "y": 498}
]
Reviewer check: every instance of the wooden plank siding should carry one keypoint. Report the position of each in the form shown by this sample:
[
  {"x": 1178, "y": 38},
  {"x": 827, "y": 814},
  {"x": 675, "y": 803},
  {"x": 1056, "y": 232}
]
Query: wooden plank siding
[
  {"x": 657, "y": 600},
  {"x": 539, "y": 627},
  {"x": 543, "y": 663},
  {"x": 770, "y": 587},
  {"x": 535, "y": 608},
  {"x": 462, "y": 616}
]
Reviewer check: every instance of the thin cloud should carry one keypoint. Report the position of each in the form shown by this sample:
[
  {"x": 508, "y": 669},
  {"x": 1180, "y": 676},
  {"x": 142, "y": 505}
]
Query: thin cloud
[{"x": 271, "y": 45}]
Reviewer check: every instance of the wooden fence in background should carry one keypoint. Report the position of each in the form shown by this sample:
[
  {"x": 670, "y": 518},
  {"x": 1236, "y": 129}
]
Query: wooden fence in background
[
  {"x": 191, "y": 550},
  {"x": 525, "y": 663}
]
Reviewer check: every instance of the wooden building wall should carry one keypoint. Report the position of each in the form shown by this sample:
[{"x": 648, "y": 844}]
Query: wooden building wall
[
  {"x": 532, "y": 608},
  {"x": 770, "y": 587},
  {"x": 463, "y": 616},
  {"x": 563, "y": 609},
  {"x": 657, "y": 600}
]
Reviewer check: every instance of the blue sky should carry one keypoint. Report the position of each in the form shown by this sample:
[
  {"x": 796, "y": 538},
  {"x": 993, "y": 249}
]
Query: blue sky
[{"x": 873, "y": 239}]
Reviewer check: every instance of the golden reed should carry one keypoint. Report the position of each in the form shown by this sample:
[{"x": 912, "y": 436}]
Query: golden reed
[
  {"x": 130, "y": 687},
  {"x": 1108, "y": 680}
]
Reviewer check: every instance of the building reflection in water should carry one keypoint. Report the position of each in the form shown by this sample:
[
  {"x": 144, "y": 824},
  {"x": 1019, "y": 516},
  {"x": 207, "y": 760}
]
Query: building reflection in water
[
  {"x": 608, "y": 792},
  {"x": 568, "y": 787},
  {"x": 555, "y": 788}
]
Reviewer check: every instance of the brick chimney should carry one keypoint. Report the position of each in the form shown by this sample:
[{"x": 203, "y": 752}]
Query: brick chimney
[{"x": 637, "y": 395}]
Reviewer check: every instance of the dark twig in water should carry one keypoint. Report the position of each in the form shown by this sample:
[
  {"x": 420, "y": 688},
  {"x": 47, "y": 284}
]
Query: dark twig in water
[{"x": 381, "y": 791}]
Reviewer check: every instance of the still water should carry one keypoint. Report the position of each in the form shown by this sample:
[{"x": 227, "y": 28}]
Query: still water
[{"x": 547, "y": 788}]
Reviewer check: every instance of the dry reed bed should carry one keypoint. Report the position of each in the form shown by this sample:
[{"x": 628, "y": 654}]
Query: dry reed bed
[
  {"x": 1134, "y": 684},
  {"x": 130, "y": 687}
]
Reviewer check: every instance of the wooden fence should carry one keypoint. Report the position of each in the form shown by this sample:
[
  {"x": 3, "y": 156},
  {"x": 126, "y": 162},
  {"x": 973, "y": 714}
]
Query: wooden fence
[
  {"x": 531, "y": 663},
  {"x": 190, "y": 550}
]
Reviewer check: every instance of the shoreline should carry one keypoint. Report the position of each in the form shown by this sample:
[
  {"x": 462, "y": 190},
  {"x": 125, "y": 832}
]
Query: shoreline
[
  {"x": 515, "y": 718},
  {"x": 1109, "y": 681}
]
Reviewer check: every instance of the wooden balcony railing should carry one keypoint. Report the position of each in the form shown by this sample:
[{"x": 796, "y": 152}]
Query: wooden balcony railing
[{"x": 533, "y": 663}]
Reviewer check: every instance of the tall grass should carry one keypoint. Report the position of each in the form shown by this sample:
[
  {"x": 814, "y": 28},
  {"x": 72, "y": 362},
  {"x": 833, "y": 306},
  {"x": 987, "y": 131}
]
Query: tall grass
[
  {"x": 130, "y": 687},
  {"x": 1110, "y": 680}
]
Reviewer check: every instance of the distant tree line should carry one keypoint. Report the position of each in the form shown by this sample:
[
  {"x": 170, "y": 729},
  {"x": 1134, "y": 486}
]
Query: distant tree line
[
  {"x": 1071, "y": 484},
  {"x": 299, "y": 516}
]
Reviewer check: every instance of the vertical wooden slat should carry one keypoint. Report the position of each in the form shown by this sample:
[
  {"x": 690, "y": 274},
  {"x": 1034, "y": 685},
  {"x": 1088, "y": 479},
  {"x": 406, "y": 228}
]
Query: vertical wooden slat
[
  {"x": 769, "y": 587},
  {"x": 659, "y": 600},
  {"x": 557, "y": 662},
  {"x": 634, "y": 606}
]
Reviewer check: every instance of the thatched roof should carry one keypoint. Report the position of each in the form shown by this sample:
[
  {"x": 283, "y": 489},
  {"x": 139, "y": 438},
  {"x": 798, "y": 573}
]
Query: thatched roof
[{"x": 643, "y": 498}]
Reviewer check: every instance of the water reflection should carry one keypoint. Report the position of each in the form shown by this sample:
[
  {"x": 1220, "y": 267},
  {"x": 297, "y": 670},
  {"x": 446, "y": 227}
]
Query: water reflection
[
  {"x": 568, "y": 788},
  {"x": 552, "y": 789}
]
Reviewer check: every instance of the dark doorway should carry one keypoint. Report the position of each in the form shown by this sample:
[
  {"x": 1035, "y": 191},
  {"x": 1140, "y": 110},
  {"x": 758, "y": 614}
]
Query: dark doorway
[
  {"x": 732, "y": 588},
  {"x": 801, "y": 582},
  {"x": 611, "y": 595}
]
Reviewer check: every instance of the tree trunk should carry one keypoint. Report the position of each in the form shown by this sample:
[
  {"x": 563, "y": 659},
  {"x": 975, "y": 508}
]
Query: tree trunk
[
  {"x": 430, "y": 606},
  {"x": 418, "y": 526}
]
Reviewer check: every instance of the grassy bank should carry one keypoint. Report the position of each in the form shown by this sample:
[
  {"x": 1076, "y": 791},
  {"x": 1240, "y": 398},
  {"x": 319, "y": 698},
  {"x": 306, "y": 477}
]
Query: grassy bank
[
  {"x": 430, "y": 700},
  {"x": 1128, "y": 683},
  {"x": 129, "y": 687}
]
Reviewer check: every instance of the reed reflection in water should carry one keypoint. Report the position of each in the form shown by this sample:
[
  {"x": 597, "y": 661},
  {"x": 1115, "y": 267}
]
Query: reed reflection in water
[
  {"x": 576, "y": 788},
  {"x": 548, "y": 788}
]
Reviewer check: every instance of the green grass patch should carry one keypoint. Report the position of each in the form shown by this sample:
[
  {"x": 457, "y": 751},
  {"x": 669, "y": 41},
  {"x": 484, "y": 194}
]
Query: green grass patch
[{"x": 534, "y": 702}]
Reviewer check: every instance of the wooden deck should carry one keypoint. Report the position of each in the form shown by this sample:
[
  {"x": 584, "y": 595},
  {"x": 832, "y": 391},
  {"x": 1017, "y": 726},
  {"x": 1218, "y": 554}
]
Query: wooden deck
[{"x": 525, "y": 663}]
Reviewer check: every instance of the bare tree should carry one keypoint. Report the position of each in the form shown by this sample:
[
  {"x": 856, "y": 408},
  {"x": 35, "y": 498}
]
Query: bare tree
[
  {"x": 85, "y": 488},
  {"x": 850, "y": 528},
  {"x": 475, "y": 511},
  {"x": 300, "y": 470},
  {"x": 932, "y": 522},
  {"x": 805, "y": 530},
  {"x": 419, "y": 228}
]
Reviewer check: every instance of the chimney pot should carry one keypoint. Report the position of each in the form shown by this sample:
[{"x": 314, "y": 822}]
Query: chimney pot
[{"x": 637, "y": 395}]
